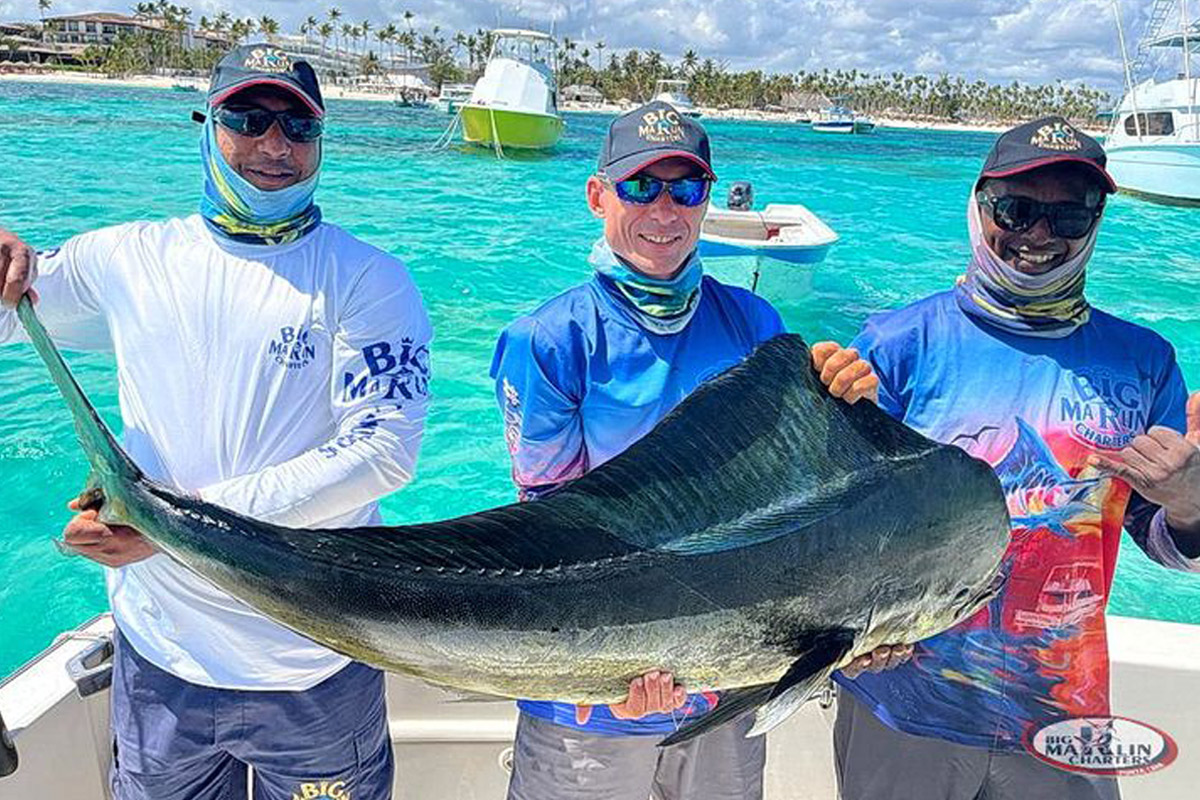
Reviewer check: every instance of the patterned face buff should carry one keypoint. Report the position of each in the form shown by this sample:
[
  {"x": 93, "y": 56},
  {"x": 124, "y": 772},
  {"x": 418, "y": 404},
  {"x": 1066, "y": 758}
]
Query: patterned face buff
[
  {"x": 1050, "y": 305},
  {"x": 659, "y": 306},
  {"x": 239, "y": 210}
]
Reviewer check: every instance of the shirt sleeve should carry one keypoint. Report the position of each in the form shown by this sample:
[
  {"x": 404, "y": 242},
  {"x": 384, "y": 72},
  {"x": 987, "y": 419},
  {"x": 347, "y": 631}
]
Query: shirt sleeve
[
  {"x": 69, "y": 289},
  {"x": 890, "y": 356},
  {"x": 539, "y": 390},
  {"x": 1145, "y": 521},
  {"x": 379, "y": 396}
]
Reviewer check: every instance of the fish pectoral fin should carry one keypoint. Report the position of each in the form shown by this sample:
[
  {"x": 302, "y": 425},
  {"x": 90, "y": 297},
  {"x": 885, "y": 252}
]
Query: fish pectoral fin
[
  {"x": 820, "y": 651},
  {"x": 734, "y": 704},
  {"x": 805, "y": 677}
]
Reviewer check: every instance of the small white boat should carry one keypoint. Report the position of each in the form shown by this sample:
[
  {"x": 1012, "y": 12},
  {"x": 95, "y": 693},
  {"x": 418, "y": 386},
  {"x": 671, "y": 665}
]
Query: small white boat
[
  {"x": 675, "y": 93},
  {"x": 780, "y": 232},
  {"x": 452, "y": 96},
  {"x": 57, "y": 708},
  {"x": 863, "y": 124},
  {"x": 1153, "y": 146}
]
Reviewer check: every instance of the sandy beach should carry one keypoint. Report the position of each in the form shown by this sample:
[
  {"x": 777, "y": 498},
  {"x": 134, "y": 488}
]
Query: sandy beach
[{"x": 344, "y": 93}]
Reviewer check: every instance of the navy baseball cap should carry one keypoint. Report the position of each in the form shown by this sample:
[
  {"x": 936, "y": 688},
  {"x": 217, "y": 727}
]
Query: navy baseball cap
[
  {"x": 651, "y": 133},
  {"x": 264, "y": 65},
  {"x": 1045, "y": 141}
]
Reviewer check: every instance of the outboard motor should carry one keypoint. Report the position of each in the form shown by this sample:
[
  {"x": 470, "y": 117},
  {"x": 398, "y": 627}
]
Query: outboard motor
[
  {"x": 8, "y": 752},
  {"x": 741, "y": 196}
]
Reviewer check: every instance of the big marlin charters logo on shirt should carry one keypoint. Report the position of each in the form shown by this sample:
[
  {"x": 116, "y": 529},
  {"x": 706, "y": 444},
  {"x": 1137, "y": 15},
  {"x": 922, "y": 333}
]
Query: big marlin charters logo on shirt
[
  {"x": 292, "y": 347},
  {"x": 322, "y": 790},
  {"x": 1102, "y": 409},
  {"x": 393, "y": 374}
]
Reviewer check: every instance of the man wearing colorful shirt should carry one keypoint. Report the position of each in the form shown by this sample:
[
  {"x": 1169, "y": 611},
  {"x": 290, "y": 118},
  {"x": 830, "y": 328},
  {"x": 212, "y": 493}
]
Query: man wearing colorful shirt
[
  {"x": 270, "y": 363},
  {"x": 589, "y": 373},
  {"x": 1083, "y": 417}
]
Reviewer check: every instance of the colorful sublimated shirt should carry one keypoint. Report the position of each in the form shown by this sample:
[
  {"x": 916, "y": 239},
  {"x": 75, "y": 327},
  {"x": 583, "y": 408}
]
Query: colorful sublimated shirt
[
  {"x": 1035, "y": 409},
  {"x": 579, "y": 381}
]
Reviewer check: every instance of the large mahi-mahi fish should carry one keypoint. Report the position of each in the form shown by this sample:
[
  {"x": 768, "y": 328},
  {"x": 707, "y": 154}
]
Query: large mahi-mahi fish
[{"x": 755, "y": 540}]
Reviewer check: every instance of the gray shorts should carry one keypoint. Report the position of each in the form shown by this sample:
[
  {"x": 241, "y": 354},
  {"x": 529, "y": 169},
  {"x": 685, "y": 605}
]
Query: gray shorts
[
  {"x": 873, "y": 761},
  {"x": 555, "y": 762}
]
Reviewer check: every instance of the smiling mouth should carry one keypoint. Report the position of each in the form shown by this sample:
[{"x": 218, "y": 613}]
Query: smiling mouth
[
  {"x": 659, "y": 239},
  {"x": 1037, "y": 259}
]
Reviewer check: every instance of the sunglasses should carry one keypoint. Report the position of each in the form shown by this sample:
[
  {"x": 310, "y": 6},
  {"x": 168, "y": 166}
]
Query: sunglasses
[
  {"x": 1017, "y": 214},
  {"x": 643, "y": 189},
  {"x": 254, "y": 122}
]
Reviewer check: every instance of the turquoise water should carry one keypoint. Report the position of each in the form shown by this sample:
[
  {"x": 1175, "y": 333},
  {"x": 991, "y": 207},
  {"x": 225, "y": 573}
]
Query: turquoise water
[{"x": 485, "y": 241}]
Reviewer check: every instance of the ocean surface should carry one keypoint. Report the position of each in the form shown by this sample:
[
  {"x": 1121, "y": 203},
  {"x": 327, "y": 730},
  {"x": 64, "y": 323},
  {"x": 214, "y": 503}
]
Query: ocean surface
[{"x": 485, "y": 241}]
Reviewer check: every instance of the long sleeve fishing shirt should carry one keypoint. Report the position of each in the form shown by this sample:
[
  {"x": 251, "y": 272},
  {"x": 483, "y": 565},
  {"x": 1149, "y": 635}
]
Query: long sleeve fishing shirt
[{"x": 288, "y": 383}]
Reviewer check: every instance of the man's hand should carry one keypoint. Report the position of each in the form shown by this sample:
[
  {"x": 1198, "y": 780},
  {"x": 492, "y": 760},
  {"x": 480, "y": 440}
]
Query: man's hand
[
  {"x": 113, "y": 546},
  {"x": 1163, "y": 466},
  {"x": 653, "y": 693},
  {"x": 879, "y": 659},
  {"x": 18, "y": 269},
  {"x": 845, "y": 374}
]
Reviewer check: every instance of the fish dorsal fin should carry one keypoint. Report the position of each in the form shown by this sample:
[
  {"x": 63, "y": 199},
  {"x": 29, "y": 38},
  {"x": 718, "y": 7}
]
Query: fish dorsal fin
[
  {"x": 759, "y": 452},
  {"x": 773, "y": 703}
]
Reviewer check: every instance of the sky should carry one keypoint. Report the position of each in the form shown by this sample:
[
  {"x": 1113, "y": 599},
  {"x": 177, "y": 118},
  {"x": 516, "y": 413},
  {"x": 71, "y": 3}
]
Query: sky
[{"x": 999, "y": 41}]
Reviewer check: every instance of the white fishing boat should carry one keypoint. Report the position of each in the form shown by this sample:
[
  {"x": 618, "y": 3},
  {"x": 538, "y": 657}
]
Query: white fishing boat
[
  {"x": 452, "y": 96},
  {"x": 835, "y": 119},
  {"x": 57, "y": 710},
  {"x": 675, "y": 93},
  {"x": 515, "y": 103},
  {"x": 1153, "y": 146},
  {"x": 747, "y": 241}
]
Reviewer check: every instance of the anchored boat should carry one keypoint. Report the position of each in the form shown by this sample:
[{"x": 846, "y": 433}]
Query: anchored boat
[
  {"x": 789, "y": 233},
  {"x": 1154, "y": 145},
  {"x": 452, "y": 96},
  {"x": 515, "y": 103},
  {"x": 675, "y": 93}
]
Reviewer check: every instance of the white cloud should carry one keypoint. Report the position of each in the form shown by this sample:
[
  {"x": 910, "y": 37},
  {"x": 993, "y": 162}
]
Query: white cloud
[{"x": 996, "y": 40}]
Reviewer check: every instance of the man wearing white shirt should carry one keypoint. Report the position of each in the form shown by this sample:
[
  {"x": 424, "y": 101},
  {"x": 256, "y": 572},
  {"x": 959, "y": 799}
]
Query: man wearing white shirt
[{"x": 270, "y": 363}]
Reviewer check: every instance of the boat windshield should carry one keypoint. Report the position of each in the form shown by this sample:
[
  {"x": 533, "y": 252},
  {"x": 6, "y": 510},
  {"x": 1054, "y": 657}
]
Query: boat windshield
[{"x": 534, "y": 50}]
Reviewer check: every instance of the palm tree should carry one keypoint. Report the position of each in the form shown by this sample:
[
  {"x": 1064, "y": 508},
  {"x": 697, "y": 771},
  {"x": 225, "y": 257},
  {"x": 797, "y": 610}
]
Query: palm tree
[
  {"x": 324, "y": 30},
  {"x": 268, "y": 26},
  {"x": 309, "y": 26},
  {"x": 599, "y": 56},
  {"x": 335, "y": 14},
  {"x": 364, "y": 30}
]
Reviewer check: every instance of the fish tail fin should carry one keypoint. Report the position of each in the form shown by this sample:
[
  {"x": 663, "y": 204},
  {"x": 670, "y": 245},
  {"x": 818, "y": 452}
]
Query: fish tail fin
[
  {"x": 103, "y": 452},
  {"x": 775, "y": 702}
]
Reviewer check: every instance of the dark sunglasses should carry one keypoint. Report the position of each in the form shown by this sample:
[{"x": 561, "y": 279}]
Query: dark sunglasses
[
  {"x": 254, "y": 121},
  {"x": 1017, "y": 214},
  {"x": 644, "y": 189}
]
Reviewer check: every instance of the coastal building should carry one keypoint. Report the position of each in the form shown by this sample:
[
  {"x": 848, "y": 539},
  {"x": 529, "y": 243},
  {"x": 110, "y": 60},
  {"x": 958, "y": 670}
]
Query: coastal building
[{"x": 104, "y": 28}]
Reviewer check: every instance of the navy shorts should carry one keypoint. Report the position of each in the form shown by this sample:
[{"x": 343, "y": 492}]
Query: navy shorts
[{"x": 174, "y": 740}]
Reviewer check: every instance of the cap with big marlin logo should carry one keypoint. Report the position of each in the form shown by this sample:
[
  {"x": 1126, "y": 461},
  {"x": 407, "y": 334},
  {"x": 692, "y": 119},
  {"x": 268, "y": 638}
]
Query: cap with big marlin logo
[
  {"x": 265, "y": 65},
  {"x": 1050, "y": 140},
  {"x": 651, "y": 133}
]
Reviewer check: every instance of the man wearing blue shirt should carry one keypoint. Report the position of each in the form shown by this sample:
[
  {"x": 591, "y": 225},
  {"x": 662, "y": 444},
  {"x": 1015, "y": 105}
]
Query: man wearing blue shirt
[
  {"x": 590, "y": 372},
  {"x": 1083, "y": 416}
]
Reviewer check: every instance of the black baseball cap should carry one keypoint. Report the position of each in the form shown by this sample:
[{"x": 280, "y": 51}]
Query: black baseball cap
[
  {"x": 1045, "y": 141},
  {"x": 651, "y": 133},
  {"x": 264, "y": 65}
]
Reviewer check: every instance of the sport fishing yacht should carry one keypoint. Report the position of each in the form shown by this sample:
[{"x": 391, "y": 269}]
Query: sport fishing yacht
[
  {"x": 515, "y": 103},
  {"x": 675, "y": 93},
  {"x": 1154, "y": 144},
  {"x": 56, "y": 708}
]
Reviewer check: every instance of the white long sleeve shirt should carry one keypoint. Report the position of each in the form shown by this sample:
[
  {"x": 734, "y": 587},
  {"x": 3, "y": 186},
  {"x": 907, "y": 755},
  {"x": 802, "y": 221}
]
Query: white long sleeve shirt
[{"x": 288, "y": 383}]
